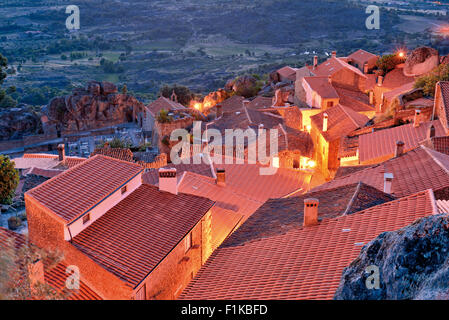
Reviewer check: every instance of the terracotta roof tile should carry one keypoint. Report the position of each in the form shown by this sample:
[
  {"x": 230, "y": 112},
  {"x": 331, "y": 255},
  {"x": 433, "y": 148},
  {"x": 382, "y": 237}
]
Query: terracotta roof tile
[
  {"x": 77, "y": 190},
  {"x": 362, "y": 56},
  {"x": 134, "y": 236},
  {"x": 48, "y": 173},
  {"x": 334, "y": 65},
  {"x": 382, "y": 143},
  {"x": 163, "y": 103},
  {"x": 285, "y": 214},
  {"x": 417, "y": 170},
  {"x": 124, "y": 154},
  {"x": 260, "y": 103},
  {"x": 303, "y": 263},
  {"x": 355, "y": 100},
  {"x": 287, "y": 72},
  {"x": 341, "y": 121},
  {"x": 322, "y": 87}
]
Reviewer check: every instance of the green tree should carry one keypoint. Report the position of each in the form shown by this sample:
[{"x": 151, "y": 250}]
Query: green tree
[
  {"x": 9, "y": 179},
  {"x": 6, "y": 101},
  {"x": 115, "y": 143},
  {"x": 429, "y": 81},
  {"x": 389, "y": 62},
  {"x": 183, "y": 93}
]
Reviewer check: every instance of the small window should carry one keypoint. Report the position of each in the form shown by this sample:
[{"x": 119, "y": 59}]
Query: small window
[
  {"x": 86, "y": 218},
  {"x": 188, "y": 242},
  {"x": 141, "y": 294},
  {"x": 124, "y": 189}
]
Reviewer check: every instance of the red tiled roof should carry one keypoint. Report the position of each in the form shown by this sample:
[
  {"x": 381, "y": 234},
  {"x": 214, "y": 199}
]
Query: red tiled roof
[
  {"x": 285, "y": 214},
  {"x": 417, "y": 170},
  {"x": 260, "y": 103},
  {"x": 46, "y": 161},
  {"x": 341, "y": 121},
  {"x": 54, "y": 276},
  {"x": 134, "y": 236},
  {"x": 382, "y": 143},
  {"x": 334, "y": 65},
  {"x": 322, "y": 87},
  {"x": 48, "y": 173},
  {"x": 124, "y": 154},
  {"x": 232, "y": 104},
  {"x": 304, "y": 262},
  {"x": 441, "y": 144},
  {"x": 362, "y": 56},
  {"x": 77, "y": 190},
  {"x": 355, "y": 100},
  {"x": 287, "y": 72},
  {"x": 163, "y": 103}
]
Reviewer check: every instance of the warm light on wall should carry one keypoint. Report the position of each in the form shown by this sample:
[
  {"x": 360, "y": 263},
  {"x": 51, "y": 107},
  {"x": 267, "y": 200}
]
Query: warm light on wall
[{"x": 311, "y": 164}]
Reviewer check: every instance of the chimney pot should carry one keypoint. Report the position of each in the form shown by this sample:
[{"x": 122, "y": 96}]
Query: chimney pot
[
  {"x": 399, "y": 149},
  {"x": 245, "y": 103},
  {"x": 311, "y": 212},
  {"x": 380, "y": 81},
  {"x": 168, "y": 181},
  {"x": 334, "y": 54},
  {"x": 315, "y": 61},
  {"x": 371, "y": 97},
  {"x": 388, "y": 180},
  {"x": 416, "y": 120},
  {"x": 61, "y": 152},
  {"x": 329, "y": 78},
  {"x": 221, "y": 177},
  {"x": 325, "y": 121},
  {"x": 365, "y": 68}
]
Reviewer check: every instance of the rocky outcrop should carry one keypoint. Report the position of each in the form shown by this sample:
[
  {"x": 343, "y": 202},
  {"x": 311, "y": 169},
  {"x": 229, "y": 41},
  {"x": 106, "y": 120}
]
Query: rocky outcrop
[
  {"x": 18, "y": 122},
  {"x": 420, "y": 61},
  {"x": 413, "y": 263},
  {"x": 98, "y": 105},
  {"x": 243, "y": 86}
]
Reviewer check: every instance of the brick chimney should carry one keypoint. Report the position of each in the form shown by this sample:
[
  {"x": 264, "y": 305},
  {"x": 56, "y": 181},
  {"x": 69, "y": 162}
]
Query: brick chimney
[
  {"x": 380, "y": 81},
  {"x": 315, "y": 62},
  {"x": 36, "y": 273},
  {"x": 61, "y": 152},
  {"x": 417, "y": 119},
  {"x": 311, "y": 212},
  {"x": 245, "y": 103},
  {"x": 221, "y": 177},
  {"x": 399, "y": 151},
  {"x": 388, "y": 180},
  {"x": 325, "y": 121},
  {"x": 334, "y": 54},
  {"x": 371, "y": 97},
  {"x": 365, "y": 68},
  {"x": 329, "y": 78},
  {"x": 168, "y": 181}
]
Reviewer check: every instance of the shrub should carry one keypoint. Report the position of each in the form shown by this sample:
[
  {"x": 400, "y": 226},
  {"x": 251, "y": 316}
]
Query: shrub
[{"x": 9, "y": 179}]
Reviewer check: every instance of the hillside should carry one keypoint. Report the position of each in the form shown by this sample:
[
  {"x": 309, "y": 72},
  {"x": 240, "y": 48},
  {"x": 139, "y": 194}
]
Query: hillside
[{"x": 198, "y": 43}]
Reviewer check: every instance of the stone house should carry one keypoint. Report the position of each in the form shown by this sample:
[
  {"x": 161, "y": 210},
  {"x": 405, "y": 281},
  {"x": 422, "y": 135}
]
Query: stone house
[
  {"x": 128, "y": 239},
  {"x": 327, "y": 129}
]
